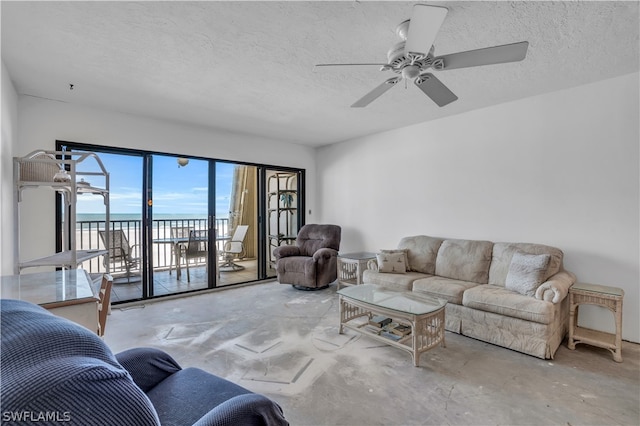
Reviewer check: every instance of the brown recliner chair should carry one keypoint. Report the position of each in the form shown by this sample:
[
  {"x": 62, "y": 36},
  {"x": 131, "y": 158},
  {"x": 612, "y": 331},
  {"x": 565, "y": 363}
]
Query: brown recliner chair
[{"x": 311, "y": 264}]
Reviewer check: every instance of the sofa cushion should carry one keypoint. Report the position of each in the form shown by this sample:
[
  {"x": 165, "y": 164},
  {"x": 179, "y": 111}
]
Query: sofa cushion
[
  {"x": 465, "y": 260},
  {"x": 527, "y": 272},
  {"x": 178, "y": 402},
  {"x": 499, "y": 300},
  {"x": 401, "y": 282},
  {"x": 393, "y": 263},
  {"x": 421, "y": 252},
  {"x": 503, "y": 252},
  {"x": 444, "y": 288}
]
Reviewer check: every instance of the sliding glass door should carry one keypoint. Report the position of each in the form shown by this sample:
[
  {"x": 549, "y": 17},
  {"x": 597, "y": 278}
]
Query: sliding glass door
[
  {"x": 187, "y": 223},
  {"x": 236, "y": 222},
  {"x": 198, "y": 244},
  {"x": 124, "y": 260},
  {"x": 179, "y": 231}
]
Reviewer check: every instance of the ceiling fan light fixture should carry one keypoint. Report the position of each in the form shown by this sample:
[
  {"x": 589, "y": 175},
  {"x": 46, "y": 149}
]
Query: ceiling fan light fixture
[{"x": 410, "y": 71}]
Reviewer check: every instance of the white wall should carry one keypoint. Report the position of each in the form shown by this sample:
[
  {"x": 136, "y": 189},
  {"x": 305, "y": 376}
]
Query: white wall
[
  {"x": 560, "y": 169},
  {"x": 41, "y": 122},
  {"x": 9, "y": 126}
]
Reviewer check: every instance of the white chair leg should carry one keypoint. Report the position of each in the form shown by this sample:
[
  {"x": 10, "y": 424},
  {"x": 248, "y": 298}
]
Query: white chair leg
[{"x": 173, "y": 253}]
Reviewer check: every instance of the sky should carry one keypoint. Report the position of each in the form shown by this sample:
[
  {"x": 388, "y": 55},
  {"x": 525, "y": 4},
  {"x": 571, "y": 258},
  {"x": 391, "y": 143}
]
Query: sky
[{"x": 176, "y": 190}]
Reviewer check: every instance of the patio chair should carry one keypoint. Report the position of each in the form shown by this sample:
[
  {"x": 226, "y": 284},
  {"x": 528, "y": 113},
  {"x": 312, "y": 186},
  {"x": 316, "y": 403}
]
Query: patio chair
[
  {"x": 121, "y": 254},
  {"x": 233, "y": 250},
  {"x": 197, "y": 248},
  {"x": 104, "y": 299}
]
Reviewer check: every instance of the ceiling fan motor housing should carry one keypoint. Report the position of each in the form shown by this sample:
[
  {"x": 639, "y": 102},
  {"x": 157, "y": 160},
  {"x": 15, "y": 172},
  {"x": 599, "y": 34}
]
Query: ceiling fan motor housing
[{"x": 399, "y": 62}]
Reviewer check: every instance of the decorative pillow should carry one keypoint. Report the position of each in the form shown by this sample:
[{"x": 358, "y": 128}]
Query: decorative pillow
[
  {"x": 405, "y": 252},
  {"x": 393, "y": 263},
  {"x": 527, "y": 272}
]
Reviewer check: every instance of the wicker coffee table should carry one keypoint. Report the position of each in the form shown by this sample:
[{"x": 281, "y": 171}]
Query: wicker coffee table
[{"x": 424, "y": 315}]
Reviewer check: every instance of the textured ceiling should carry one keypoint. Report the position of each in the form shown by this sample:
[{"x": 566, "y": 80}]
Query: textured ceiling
[{"x": 249, "y": 66}]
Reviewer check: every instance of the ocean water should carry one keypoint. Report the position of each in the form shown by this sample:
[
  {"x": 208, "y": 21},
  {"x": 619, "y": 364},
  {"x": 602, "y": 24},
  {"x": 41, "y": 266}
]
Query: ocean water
[
  {"x": 100, "y": 217},
  {"x": 131, "y": 223}
]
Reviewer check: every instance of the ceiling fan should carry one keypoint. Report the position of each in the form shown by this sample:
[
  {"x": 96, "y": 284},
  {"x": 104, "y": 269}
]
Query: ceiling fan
[{"x": 413, "y": 56}]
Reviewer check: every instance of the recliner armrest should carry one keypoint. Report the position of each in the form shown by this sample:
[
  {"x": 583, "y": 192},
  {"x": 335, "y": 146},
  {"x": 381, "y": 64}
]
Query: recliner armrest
[
  {"x": 556, "y": 288},
  {"x": 324, "y": 254},
  {"x": 148, "y": 366},
  {"x": 286, "y": 251},
  {"x": 247, "y": 409}
]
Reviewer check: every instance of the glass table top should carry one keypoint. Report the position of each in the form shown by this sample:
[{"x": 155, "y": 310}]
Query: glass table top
[
  {"x": 401, "y": 301},
  {"x": 361, "y": 255},
  {"x": 595, "y": 288},
  {"x": 42, "y": 288}
]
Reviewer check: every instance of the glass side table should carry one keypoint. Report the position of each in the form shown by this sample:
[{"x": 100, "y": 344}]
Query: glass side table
[
  {"x": 351, "y": 266},
  {"x": 599, "y": 295}
]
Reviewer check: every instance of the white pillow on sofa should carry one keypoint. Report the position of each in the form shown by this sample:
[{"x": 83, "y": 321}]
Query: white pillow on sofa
[
  {"x": 527, "y": 272},
  {"x": 392, "y": 262},
  {"x": 405, "y": 252}
]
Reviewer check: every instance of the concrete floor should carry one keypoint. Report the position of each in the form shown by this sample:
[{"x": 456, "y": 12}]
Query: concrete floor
[
  {"x": 167, "y": 282},
  {"x": 284, "y": 343}
]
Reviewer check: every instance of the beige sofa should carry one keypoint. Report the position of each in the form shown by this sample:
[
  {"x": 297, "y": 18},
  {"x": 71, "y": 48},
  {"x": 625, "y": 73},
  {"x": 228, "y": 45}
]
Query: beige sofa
[{"x": 509, "y": 294}]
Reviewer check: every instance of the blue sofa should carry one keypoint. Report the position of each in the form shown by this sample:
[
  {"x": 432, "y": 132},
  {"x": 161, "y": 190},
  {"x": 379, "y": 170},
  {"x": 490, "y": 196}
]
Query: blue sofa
[{"x": 54, "y": 371}]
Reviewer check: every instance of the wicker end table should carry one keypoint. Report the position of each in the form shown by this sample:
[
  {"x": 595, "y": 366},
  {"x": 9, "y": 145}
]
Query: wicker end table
[
  {"x": 351, "y": 267},
  {"x": 599, "y": 295}
]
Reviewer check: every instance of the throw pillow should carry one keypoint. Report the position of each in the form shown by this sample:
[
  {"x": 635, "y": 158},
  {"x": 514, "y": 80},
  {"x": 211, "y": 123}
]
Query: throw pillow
[
  {"x": 405, "y": 252},
  {"x": 393, "y": 263},
  {"x": 527, "y": 272}
]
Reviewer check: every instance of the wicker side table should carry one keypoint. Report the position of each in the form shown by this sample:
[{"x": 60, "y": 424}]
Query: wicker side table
[
  {"x": 351, "y": 267},
  {"x": 599, "y": 295}
]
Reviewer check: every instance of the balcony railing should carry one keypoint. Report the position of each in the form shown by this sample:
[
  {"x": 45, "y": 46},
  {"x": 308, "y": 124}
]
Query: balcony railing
[{"x": 87, "y": 238}]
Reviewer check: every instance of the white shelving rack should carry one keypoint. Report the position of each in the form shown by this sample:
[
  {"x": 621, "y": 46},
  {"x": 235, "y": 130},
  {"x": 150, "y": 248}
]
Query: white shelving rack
[{"x": 58, "y": 170}]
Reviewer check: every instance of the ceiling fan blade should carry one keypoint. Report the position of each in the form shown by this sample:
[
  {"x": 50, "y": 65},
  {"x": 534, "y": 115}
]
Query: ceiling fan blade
[
  {"x": 435, "y": 89},
  {"x": 376, "y": 93},
  {"x": 489, "y": 55},
  {"x": 423, "y": 27},
  {"x": 341, "y": 65}
]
